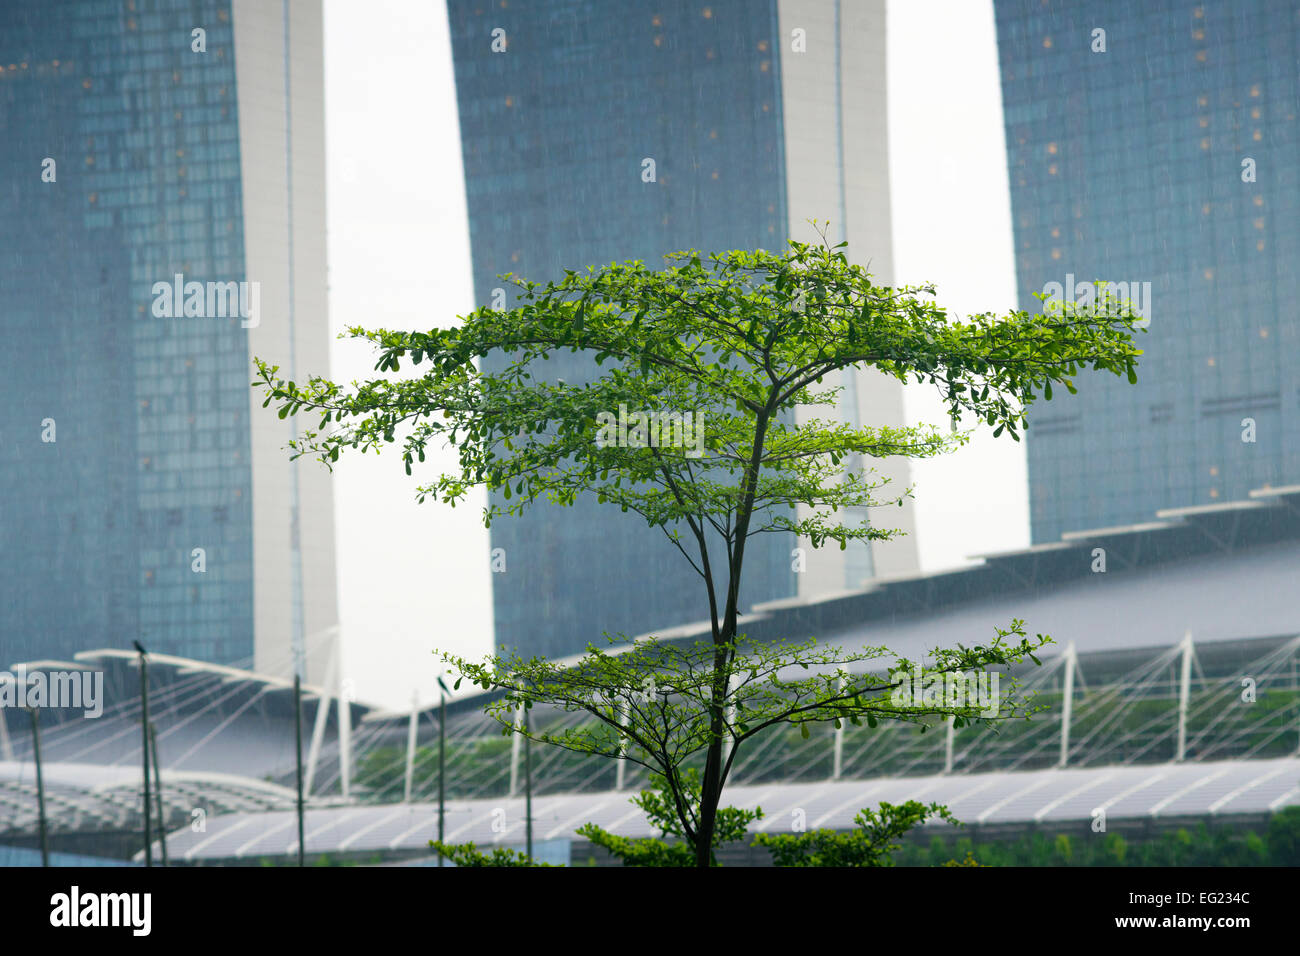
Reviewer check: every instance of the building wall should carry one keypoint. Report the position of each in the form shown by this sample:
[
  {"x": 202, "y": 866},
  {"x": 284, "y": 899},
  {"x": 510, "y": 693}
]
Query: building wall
[
  {"x": 1127, "y": 166},
  {"x": 554, "y": 131},
  {"x": 152, "y": 457},
  {"x": 151, "y": 453}
]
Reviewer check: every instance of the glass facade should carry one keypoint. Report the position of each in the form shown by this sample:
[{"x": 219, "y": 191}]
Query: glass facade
[
  {"x": 557, "y": 129},
  {"x": 149, "y": 416},
  {"x": 1163, "y": 150}
]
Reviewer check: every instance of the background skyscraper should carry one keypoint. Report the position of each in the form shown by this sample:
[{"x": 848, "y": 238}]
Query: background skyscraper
[
  {"x": 1163, "y": 149},
  {"x": 174, "y": 152},
  {"x": 758, "y": 117}
]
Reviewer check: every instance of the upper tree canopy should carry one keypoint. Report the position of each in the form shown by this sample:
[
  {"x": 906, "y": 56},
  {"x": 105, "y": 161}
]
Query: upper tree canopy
[{"x": 739, "y": 338}]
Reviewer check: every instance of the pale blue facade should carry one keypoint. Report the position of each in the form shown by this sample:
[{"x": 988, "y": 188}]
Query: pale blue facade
[
  {"x": 555, "y": 134},
  {"x": 149, "y": 416},
  {"x": 1173, "y": 157}
]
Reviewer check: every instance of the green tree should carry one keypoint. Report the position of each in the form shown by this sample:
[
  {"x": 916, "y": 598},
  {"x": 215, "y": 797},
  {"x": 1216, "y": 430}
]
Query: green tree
[
  {"x": 740, "y": 340},
  {"x": 872, "y": 844}
]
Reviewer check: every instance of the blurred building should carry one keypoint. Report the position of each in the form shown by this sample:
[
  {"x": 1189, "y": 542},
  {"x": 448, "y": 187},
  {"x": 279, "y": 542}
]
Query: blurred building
[
  {"x": 756, "y": 117},
  {"x": 224, "y": 742},
  {"x": 1158, "y": 144},
  {"x": 145, "y": 494},
  {"x": 1184, "y": 709}
]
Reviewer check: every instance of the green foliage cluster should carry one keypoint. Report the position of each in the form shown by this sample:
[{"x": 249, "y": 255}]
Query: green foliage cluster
[
  {"x": 666, "y": 707},
  {"x": 659, "y": 804},
  {"x": 467, "y": 854},
  {"x": 872, "y": 844},
  {"x": 1224, "y": 845}
]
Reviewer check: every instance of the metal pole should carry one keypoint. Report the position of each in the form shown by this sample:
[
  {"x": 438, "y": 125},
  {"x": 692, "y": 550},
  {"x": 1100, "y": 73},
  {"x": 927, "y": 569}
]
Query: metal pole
[
  {"x": 157, "y": 789},
  {"x": 442, "y": 766},
  {"x": 731, "y": 706},
  {"x": 40, "y": 785},
  {"x": 1184, "y": 694},
  {"x": 1293, "y": 687},
  {"x": 297, "y": 723},
  {"x": 620, "y": 775},
  {"x": 1067, "y": 707},
  {"x": 322, "y": 718},
  {"x": 947, "y": 746},
  {"x": 516, "y": 751},
  {"x": 837, "y": 752},
  {"x": 410, "y": 746},
  {"x": 144, "y": 747},
  {"x": 528, "y": 789},
  {"x": 345, "y": 743}
]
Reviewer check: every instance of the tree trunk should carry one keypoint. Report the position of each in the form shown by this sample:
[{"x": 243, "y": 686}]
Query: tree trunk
[
  {"x": 710, "y": 796},
  {"x": 711, "y": 791}
]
